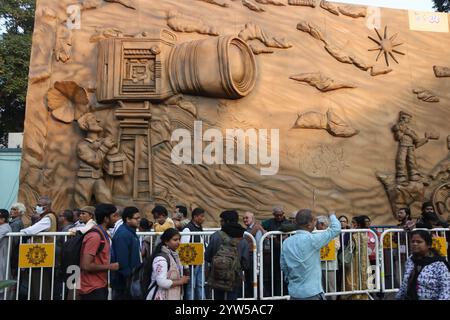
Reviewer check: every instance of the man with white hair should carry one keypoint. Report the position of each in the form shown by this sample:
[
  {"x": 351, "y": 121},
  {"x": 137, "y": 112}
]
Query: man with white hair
[
  {"x": 16, "y": 212},
  {"x": 16, "y": 223},
  {"x": 47, "y": 223},
  {"x": 257, "y": 231},
  {"x": 253, "y": 227},
  {"x": 329, "y": 268}
]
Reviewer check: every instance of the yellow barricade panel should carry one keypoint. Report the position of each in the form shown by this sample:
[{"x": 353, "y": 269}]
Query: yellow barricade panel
[
  {"x": 191, "y": 254},
  {"x": 328, "y": 253},
  {"x": 36, "y": 255},
  {"x": 440, "y": 245}
]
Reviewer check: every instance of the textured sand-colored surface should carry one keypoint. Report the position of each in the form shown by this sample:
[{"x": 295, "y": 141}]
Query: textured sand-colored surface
[{"x": 316, "y": 169}]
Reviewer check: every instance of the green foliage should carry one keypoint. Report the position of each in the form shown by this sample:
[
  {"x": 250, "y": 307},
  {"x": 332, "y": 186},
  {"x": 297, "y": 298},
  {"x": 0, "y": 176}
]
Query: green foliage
[
  {"x": 442, "y": 5},
  {"x": 6, "y": 283},
  {"x": 17, "y": 23}
]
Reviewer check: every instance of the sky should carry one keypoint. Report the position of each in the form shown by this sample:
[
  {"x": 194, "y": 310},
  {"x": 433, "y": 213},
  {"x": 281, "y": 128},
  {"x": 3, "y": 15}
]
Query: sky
[{"x": 420, "y": 5}]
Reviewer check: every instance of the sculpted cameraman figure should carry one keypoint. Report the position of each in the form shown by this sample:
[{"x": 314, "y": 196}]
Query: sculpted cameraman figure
[
  {"x": 91, "y": 152},
  {"x": 409, "y": 141}
]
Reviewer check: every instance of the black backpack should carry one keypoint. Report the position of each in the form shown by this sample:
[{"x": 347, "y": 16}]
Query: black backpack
[{"x": 71, "y": 251}]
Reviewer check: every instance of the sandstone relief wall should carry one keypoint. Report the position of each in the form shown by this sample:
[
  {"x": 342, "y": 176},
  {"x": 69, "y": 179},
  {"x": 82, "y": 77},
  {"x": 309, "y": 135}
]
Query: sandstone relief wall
[{"x": 363, "y": 110}]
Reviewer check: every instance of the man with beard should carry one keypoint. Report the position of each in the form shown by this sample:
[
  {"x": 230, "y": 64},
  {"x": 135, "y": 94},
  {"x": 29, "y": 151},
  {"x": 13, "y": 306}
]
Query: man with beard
[
  {"x": 429, "y": 218},
  {"x": 95, "y": 256}
]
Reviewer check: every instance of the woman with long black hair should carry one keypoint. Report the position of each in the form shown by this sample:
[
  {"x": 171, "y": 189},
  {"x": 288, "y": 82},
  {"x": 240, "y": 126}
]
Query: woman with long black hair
[
  {"x": 167, "y": 278},
  {"x": 427, "y": 274}
]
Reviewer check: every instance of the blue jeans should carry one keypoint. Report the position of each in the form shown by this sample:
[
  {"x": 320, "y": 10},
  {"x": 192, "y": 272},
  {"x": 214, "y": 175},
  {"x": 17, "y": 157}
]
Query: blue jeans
[{"x": 195, "y": 285}]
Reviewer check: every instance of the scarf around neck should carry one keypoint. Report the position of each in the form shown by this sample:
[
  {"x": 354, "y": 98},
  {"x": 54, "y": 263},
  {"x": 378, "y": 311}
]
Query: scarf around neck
[
  {"x": 234, "y": 230},
  {"x": 419, "y": 264}
]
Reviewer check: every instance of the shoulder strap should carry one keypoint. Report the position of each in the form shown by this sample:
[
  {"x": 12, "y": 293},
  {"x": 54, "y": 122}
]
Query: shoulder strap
[
  {"x": 225, "y": 238},
  {"x": 102, "y": 241},
  {"x": 155, "y": 284},
  {"x": 165, "y": 256}
]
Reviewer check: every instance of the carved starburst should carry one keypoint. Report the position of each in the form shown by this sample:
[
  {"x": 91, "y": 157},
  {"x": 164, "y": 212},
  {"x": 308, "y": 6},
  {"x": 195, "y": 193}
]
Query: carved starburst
[{"x": 386, "y": 46}]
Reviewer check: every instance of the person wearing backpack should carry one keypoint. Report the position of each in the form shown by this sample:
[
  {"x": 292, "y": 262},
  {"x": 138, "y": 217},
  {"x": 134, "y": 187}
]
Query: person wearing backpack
[
  {"x": 167, "y": 279},
  {"x": 228, "y": 256},
  {"x": 126, "y": 251},
  {"x": 95, "y": 263}
]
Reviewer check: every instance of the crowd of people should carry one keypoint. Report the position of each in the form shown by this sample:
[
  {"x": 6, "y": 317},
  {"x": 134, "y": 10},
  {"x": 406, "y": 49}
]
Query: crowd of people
[{"x": 105, "y": 242}]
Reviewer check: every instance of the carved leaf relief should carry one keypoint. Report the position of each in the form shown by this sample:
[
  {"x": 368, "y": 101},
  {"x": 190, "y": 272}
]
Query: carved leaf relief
[
  {"x": 272, "y": 2},
  {"x": 311, "y": 120},
  {"x": 260, "y": 50},
  {"x": 330, "y": 122},
  {"x": 106, "y": 33},
  {"x": 182, "y": 23},
  {"x": 130, "y": 4},
  {"x": 336, "y": 126},
  {"x": 330, "y": 7},
  {"x": 252, "y": 6},
  {"x": 67, "y": 100},
  {"x": 312, "y": 29},
  {"x": 304, "y": 3},
  {"x": 425, "y": 95},
  {"x": 253, "y": 31},
  {"x": 321, "y": 82},
  {"x": 441, "y": 72},
  {"x": 353, "y": 11},
  {"x": 376, "y": 71},
  {"x": 217, "y": 3}
]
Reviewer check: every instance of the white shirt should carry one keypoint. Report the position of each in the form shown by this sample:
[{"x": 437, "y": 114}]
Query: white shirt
[
  {"x": 41, "y": 226},
  {"x": 187, "y": 238},
  {"x": 84, "y": 228},
  {"x": 258, "y": 234},
  {"x": 116, "y": 226},
  {"x": 79, "y": 224}
]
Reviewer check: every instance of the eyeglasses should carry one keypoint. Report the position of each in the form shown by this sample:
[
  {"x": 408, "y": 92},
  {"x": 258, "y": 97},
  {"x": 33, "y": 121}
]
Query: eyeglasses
[{"x": 278, "y": 214}]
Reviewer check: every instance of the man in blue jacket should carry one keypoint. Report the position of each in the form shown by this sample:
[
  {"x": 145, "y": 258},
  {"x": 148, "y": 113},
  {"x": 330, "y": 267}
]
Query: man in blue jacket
[
  {"x": 125, "y": 251},
  {"x": 300, "y": 256}
]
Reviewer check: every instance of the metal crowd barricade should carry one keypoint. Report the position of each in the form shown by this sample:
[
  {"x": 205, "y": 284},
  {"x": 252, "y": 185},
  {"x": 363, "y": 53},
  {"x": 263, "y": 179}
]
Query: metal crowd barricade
[
  {"x": 394, "y": 254},
  {"x": 344, "y": 278},
  {"x": 46, "y": 276},
  {"x": 49, "y": 279},
  {"x": 205, "y": 238}
]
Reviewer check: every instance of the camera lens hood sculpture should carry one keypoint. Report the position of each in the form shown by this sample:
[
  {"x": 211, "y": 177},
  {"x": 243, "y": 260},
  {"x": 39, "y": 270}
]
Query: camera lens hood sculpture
[{"x": 156, "y": 67}]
